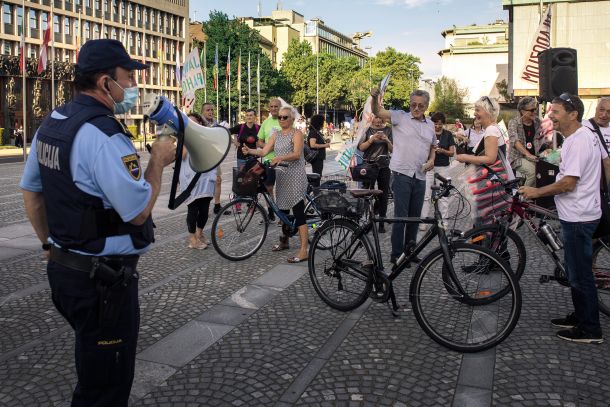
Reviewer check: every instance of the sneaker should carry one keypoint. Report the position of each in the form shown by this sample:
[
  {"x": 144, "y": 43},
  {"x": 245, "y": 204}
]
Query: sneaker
[
  {"x": 578, "y": 335},
  {"x": 569, "y": 321},
  {"x": 216, "y": 209}
]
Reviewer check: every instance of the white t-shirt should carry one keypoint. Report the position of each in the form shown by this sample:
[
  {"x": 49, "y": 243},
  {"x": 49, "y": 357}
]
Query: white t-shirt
[
  {"x": 605, "y": 132},
  {"x": 580, "y": 157}
]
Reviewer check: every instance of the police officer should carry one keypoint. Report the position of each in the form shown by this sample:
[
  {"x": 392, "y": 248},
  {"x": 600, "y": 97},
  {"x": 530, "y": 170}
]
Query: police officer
[{"x": 90, "y": 203}]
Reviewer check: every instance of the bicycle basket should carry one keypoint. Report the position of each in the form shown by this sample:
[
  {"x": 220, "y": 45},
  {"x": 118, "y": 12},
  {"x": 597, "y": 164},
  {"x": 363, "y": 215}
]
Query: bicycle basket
[
  {"x": 329, "y": 201},
  {"x": 245, "y": 183}
]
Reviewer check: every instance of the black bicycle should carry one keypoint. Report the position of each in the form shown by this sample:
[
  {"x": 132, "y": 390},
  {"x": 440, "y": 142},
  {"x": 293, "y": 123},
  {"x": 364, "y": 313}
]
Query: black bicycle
[{"x": 463, "y": 296}]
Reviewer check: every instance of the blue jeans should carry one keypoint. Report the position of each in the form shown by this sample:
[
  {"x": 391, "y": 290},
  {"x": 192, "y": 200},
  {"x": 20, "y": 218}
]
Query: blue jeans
[
  {"x": 408, "y": 201},
  {"x": 240, "y": 162},
  {"x": 578, "y": 255}
]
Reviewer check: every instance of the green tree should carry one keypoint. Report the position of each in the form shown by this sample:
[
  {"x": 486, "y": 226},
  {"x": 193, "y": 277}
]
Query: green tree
[
  {"x": 335, "y": 79},
  {"x": 236, "y": 35},
  {"x": 405, "y": 75},
  {"x": 448, "y": 98},
  {"x": 299, "y": 69}
]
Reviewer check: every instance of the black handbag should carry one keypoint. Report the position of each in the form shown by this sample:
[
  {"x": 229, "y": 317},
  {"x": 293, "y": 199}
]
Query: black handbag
[
  {"x": 309, "y": 153},
  {"x": 365, "y": 172},
  {"x": 603, "y": 228}
]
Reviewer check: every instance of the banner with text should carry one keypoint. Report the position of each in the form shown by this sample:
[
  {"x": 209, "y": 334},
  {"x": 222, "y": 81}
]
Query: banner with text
[{"x": 541, "y": 41}]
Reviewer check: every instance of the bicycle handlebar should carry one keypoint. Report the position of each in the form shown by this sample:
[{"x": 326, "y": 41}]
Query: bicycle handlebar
[
  {"x": 508, "y": 185},
  {"x": 442, "y": 179}
]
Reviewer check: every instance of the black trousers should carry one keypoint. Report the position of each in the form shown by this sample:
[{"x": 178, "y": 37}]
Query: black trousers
[
  {"x": 104, "y": 355},
  {"x": 383, "y": 183},
  {"x": 197, "y": 214},
  {"x": 317, "y": 166}
]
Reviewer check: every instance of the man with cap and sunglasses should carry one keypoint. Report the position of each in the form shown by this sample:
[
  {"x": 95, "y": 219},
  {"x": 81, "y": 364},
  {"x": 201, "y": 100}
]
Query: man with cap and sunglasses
[
  {"x": 90, "y": 204},
  {"x": 577, "y": 199}
]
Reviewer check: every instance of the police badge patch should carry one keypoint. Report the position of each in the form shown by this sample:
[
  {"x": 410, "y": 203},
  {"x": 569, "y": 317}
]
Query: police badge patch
[{"x": 132, "y": 164}]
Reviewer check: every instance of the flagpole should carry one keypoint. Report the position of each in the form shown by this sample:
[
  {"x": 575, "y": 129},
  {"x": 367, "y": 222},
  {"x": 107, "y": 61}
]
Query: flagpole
[
  {"x": 229, "y": 84},
  {"x": 217, "y": 84},
  {"x": 143, "y": 76},
  {"x": 24, "y": 83},
  {"x": 249, "y": 88},
  {"x": 239, "y": 85},
  {"x": 52, "y": 56},
  {"x": 205, "y": 73},
  {"x": 258, "y": 86}
]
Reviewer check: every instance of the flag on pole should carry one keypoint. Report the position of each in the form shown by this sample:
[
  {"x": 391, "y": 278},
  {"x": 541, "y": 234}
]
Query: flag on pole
[
  {"x": 178, "y": 67},
  {"x": 215, "y": 69},
  {"x": 239, "y": 74},
  {"x": 43, "y": 58},
  {"x": 228, "y": 72},
  {"x": 22, "y": 51}
]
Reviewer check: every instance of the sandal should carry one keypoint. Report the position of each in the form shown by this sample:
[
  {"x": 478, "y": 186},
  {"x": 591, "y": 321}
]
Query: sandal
[
  {"x": 202, "y": 247},
  {"x": 296, "y": 259},
  {"x": 279, "y": 247}
]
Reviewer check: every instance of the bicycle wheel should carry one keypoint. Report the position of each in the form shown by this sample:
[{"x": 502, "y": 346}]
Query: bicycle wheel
[
  {"x": 509, "y": 246},
  {"x": 338, "y": 274},
  {"x": 475, "y": 319},
  {"x": 601, "y": 273},
  {"x": 243, "y": 232}
]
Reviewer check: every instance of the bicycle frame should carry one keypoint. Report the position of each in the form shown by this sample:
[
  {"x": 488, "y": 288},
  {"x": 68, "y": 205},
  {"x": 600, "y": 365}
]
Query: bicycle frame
[{"x": 437, "y": 229}]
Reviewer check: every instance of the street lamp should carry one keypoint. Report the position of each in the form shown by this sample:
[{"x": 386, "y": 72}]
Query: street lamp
[{"x": 368, "y": 51}]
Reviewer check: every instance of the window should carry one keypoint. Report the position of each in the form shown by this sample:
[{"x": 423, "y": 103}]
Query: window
[
  {"x": 45, "y": 19},
  {"x": 56, "y": 24},
  {"x": 115, "y": 7},
  {"x": 123, "y": 13},
  {"x": 96, "y": 32},
  {"x": 113, "y": 33},
  {"x": 33, "y": 20},
  {"x": 19, "y": 16},
  {"x": 97, "y": 6},
  {"x": 7, "y": 10},
  {"x": 67, "y": 30},
  {"x": 106, "y": 8},
  {"x": 87, "y": 33},
  {"x": 138, "y": 19}
]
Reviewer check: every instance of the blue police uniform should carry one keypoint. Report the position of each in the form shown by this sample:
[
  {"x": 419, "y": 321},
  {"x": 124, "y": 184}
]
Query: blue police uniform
[{"x": 92, "y": 183}]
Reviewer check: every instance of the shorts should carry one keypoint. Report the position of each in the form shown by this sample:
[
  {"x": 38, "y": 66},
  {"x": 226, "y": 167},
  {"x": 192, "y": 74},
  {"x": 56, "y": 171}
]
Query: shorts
[{"x": 269, "y": 176}]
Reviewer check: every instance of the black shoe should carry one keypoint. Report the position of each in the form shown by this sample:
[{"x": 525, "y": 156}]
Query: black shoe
[
  {"x": 216, "y": 209},
  {"x": 271, "y": 216},
  {"x": 580, "y": 336},
  {"x": 570, "y": 321}
]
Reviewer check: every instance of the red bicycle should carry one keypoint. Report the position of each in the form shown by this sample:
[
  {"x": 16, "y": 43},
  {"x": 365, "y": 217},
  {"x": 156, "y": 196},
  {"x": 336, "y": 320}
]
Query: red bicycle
[{"x": 510, "y": 214}]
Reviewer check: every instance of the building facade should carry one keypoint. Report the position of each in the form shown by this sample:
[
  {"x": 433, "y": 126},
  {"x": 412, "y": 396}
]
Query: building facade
[
  {"x": 476, "y": 56},
  {"x": 582, "y": 25},
  {"x": 285, "y": 25},
  {"x": 153, "y": 31}
]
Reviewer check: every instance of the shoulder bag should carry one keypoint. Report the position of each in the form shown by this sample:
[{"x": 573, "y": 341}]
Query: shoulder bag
[{"x": 603, "y": 228}]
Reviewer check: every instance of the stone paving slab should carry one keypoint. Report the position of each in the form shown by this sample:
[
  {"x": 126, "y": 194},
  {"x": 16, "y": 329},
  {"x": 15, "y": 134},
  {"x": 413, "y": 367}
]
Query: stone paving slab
[{"x": 184, "y": 344}]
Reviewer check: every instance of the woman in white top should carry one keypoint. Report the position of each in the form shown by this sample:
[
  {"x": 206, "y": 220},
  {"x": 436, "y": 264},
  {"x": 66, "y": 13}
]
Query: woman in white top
[
  {"x": 198, "y": 202},
  {"x": 486, "y": 111},
  {"x": 474, "y": 135}
]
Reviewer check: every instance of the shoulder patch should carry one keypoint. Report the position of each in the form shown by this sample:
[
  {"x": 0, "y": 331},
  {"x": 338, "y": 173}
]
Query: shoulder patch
[{"x": 132, "y": 164}]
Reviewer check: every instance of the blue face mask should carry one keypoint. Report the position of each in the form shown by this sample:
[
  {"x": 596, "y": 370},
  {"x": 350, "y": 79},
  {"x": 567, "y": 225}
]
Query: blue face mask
[{"x": 130, "y": 96}]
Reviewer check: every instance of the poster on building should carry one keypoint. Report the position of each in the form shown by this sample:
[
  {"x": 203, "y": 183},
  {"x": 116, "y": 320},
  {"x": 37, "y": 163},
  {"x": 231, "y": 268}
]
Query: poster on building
[{"x": 541, "y": 41}]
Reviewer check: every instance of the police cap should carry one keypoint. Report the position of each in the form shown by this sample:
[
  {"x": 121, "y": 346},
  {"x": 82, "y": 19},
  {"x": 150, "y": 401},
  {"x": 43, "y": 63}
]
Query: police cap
[{"x": 99, "y": 55}]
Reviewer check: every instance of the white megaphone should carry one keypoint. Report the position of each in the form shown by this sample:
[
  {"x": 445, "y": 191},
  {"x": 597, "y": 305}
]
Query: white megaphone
[{"x": 207, "y": 146}]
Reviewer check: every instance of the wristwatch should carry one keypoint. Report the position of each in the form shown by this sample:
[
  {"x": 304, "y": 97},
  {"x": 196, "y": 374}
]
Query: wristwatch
[{"x": 46, "y": 247}]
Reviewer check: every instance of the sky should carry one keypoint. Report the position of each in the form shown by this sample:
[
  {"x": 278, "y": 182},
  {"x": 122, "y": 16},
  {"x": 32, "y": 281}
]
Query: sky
[{"x": 412, "y": 26}]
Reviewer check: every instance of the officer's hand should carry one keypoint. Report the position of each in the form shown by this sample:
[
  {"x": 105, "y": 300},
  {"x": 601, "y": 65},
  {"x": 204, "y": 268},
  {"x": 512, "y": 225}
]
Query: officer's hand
[{"x": 164, "y": 152}]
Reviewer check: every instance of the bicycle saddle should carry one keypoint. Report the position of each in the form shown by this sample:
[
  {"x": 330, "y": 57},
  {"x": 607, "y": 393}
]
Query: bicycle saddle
[{"x": 365, "y": 193}]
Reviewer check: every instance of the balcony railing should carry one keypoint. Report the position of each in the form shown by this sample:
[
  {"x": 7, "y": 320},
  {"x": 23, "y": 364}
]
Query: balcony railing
[
  {"x": 34, "y": 33},
  {"x": 9, "y": 29},
  {"x": 68, "y": 39}
]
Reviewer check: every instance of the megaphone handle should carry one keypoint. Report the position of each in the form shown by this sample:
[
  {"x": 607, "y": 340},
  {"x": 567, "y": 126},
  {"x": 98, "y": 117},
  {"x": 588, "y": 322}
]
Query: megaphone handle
[{"x": 178, "y": 162}]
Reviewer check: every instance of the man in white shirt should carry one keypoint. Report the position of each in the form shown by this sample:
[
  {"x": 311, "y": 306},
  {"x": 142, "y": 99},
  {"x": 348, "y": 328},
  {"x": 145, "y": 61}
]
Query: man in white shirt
[
  {"x": 413, "y": 155},
  {"x": 578, "y": 204},
  {"x": 601, "y": 119}
]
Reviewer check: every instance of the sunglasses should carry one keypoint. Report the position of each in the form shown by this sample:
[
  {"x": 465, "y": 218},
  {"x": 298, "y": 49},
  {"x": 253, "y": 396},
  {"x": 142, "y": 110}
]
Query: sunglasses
[
  {"x": 566, "y": 98},
  {"x": 417, "y": 106},
  {"x": 283, "y": 117},
  {"x": 531, "y": 110}
]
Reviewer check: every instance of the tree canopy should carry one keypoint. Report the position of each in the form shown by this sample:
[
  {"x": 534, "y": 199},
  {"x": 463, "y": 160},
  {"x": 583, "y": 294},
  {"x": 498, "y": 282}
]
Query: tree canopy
[
  {"x": 449, "y": 98},
  {"x": 343, "y": 81}
]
